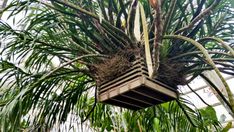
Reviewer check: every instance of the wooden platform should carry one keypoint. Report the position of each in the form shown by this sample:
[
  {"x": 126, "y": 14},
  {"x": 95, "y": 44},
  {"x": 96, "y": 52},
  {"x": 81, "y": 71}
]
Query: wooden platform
[{"x": 135, "y": 90}]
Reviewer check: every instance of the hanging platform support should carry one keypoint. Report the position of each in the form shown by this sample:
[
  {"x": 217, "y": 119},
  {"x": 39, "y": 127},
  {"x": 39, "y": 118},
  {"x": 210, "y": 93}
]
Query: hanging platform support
[{"x": 135, "y": 90}]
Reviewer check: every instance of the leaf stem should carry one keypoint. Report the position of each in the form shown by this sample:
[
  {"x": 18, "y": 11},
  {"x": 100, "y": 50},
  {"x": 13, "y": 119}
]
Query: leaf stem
[
  {"x": 221, "y": 43},
  {"x": 209, "y": 61}
]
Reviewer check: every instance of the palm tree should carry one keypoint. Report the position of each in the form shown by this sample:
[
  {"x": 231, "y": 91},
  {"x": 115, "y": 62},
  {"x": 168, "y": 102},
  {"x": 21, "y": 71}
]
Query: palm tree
[{"x": 180, "y": 38}]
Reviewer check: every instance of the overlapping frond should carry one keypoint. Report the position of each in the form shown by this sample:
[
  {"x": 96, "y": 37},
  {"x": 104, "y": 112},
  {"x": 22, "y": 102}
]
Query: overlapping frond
[{"x": 46, "y": 62}]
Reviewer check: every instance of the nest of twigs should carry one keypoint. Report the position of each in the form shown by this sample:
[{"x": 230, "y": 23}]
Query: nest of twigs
[
  {"x": 111, "y": 68},
  {"x": 170, "y": 73}
]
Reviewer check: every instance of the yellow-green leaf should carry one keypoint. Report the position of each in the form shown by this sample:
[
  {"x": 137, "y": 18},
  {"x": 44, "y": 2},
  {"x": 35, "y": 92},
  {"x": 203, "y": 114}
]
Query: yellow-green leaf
[
  {"x": 146, "y": 40},
  {"x": 137, "y": 31}
]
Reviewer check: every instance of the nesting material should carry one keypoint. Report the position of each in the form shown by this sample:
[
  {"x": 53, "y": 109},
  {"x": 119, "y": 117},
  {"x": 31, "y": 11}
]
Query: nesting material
[{"x": 134, "y": 90}]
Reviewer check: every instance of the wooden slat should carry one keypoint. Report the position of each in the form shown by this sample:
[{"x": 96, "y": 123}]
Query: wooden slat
[
  {"x": 160, "y": 83},
  {"x": 131, "y": 101},
  {"x": 138, "y": 99},
  {"x": 159, "y": 88},
  {"x": 148, "y": 96},
  {"x": 118, "y": 81},
  {"x": 110, "y": 93},
  {"x": 136, "y": 65},
  {"x": 136, "y": 68},
  {"x": 126, "y": 103}
]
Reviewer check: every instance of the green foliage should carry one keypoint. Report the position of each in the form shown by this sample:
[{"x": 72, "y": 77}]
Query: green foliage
[
  {"x": 209, "y": 116},
  {"x": 164, "y": 117},
  {"x": 45, "y": 63}
]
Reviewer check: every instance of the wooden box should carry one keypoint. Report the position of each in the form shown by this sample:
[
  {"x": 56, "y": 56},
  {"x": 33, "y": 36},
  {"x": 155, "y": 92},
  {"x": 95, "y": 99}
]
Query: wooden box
[{"x": 135, "y": 90}]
